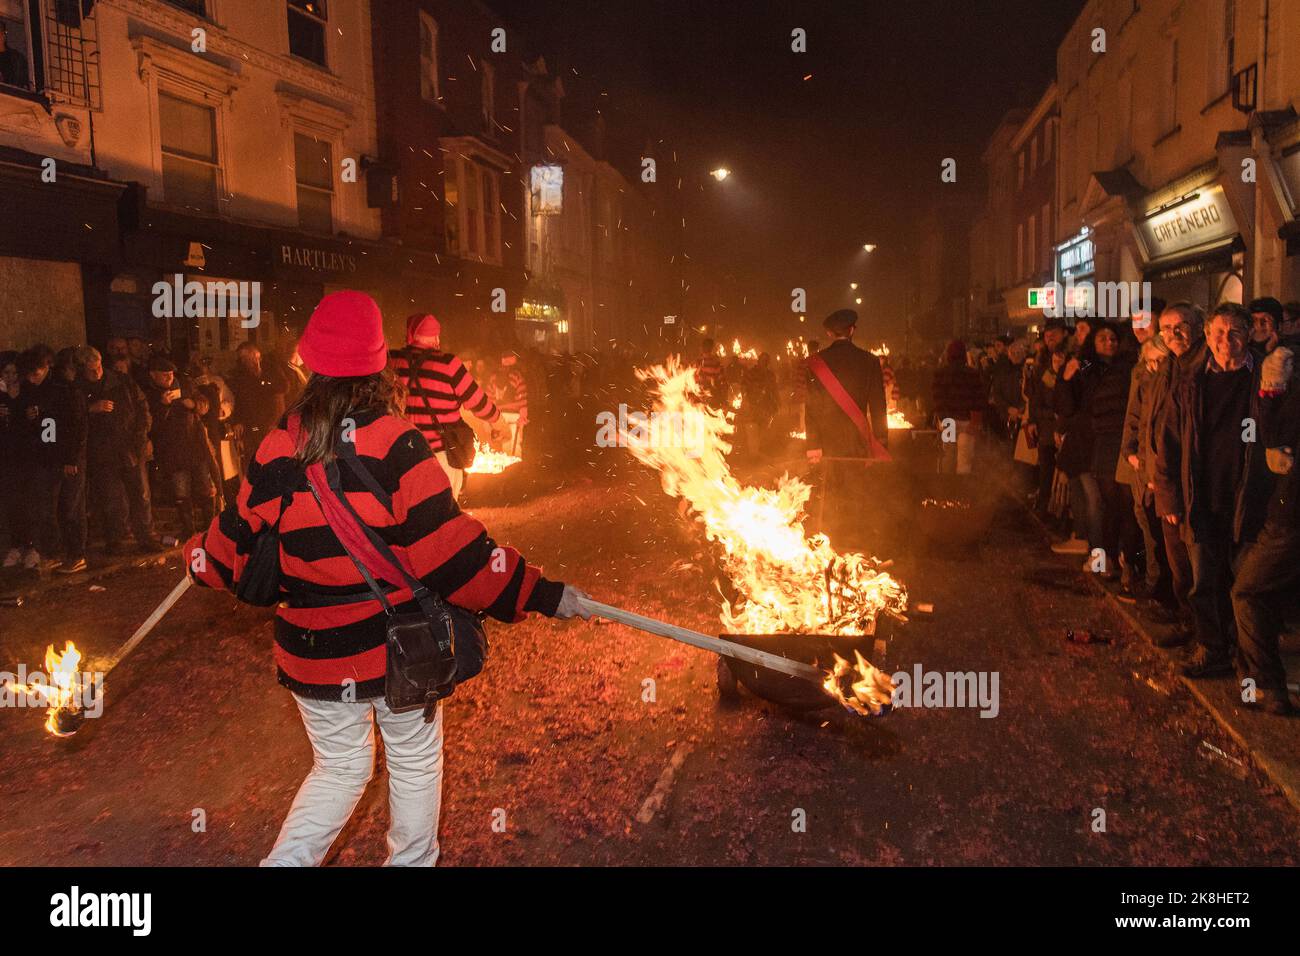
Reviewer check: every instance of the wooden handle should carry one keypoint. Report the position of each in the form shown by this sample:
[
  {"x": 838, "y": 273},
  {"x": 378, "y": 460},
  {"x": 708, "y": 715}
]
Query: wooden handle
[
  {"x": 726, "y": 648},
  {"x": 151, "y": 621}
]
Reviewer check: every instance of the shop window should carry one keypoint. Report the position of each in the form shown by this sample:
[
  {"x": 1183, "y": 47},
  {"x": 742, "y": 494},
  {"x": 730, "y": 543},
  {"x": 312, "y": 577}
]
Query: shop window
[
  {"x": 314, "y": 170},
  {"x": 307, "y": 22},
  {"x": 430, "y": 87},
  {"x": 489, "y": 95},
  {"x": 15, "y": 61},
  {"x": 190, "y": 167},
  {"x": 197, "y": 7},
  {"x": 1169, "y": 98},
  {"x": 472, "y": 205},
  {"x": 451, "y": 203}
]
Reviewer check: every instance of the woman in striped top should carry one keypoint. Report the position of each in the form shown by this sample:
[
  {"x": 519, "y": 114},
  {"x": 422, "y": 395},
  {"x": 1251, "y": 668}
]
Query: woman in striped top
[
  {"x": 438, "y": 386},
  {"x": 329, "y": 630}
]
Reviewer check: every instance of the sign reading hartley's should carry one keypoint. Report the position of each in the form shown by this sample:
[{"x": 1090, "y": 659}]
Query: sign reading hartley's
[
  {"x": 1199, "y": 219},
  {"x": 317, "y": 260}
]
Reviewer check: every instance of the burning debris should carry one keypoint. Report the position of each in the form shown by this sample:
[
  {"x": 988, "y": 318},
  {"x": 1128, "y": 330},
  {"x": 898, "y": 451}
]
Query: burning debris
[
  {"x": 489, "y": 462},
  {"x": 897, "y": 420},
  {"x": 860, "y": 687},
  {"x": 787, "y": 581}
]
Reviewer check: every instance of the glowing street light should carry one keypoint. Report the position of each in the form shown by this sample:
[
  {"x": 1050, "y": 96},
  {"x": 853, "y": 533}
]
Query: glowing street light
[
  {"x": 721, "y": 173},
  {"x": 858, "y": 300},
  {"x": 853, "y": 285},
  {"x": 869, "y": 247}
]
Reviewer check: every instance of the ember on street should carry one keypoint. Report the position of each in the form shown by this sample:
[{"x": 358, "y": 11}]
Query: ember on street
[{"x": 531, "y": 434}]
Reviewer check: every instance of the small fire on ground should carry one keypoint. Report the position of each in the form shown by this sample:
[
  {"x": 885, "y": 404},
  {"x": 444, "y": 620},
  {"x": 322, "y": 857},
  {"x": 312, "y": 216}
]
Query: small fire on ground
[
  {"x": 788, "y": 581},
  {"x": 59, "y": 693},
  {"x": 489, "y": 462}
]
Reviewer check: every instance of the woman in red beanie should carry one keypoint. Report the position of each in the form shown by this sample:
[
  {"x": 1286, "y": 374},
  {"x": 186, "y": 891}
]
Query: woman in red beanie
[{"x": 330, "y": 631}]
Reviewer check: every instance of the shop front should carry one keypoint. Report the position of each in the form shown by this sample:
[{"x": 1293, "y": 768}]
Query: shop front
[
  {"x": 1190, "y": 242},
  {"x": 202, "y": 287},
  {"x": 1284, "y": 175},
  {"x": 54, "y": 279}
]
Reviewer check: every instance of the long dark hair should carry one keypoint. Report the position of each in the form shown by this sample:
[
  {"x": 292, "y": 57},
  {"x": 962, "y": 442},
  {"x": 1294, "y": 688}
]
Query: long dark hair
[{"x": 325, "y": 403}]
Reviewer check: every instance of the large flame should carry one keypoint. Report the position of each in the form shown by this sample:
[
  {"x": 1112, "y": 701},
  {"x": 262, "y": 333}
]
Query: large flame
[{"x": 788, "y": 581}]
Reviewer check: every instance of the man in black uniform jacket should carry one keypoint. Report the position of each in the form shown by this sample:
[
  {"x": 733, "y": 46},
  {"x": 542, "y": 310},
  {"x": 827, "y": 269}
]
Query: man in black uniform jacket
[{"x": 832, "y": 434}]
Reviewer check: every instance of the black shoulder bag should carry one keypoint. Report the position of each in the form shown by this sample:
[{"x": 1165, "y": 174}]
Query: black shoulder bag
[
  {"x": 457, "y": 437},
  {"x": 429, "y": 651},
  {"x": 259, "y": 583}
]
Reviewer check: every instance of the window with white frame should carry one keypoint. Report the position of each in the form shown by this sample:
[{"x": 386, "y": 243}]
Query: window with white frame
[
  {"x": 1020, "y": 251},
  {"x": 1032, "y": 249},
  {"x": 308, "y": 20},
  {"x": 1045, "y": 244},
  {"x": 314, "y": 172},
  {"x": 1168, "y": 103},
  {"x": 430, "y": 86},
  {"x": 472, "y": 209},
  {"x": 191, "y": 167},
  {"x": 489, "y": 96}
]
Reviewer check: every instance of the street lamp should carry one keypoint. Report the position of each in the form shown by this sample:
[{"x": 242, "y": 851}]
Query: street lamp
[
  {"x": 858, "y": 300},
  {"x": 853, "y": 285},
  {"x": 869, "y": 247},
  {"x": 721, "y": 173}
]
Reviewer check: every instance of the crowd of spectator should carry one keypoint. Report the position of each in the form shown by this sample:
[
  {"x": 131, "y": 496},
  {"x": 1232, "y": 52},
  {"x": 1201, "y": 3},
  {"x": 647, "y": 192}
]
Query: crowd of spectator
[{"x": 1160, "y": 450}]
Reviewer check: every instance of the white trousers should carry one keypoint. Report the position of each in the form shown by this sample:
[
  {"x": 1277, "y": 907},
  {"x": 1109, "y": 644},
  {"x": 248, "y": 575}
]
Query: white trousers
[
  {"x": 343, "y": 742},
  {"x": 454, "y": 475}
]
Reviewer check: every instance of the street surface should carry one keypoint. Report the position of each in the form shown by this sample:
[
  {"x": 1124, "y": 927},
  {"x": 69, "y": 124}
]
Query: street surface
[{"x": 556, "y": 732}]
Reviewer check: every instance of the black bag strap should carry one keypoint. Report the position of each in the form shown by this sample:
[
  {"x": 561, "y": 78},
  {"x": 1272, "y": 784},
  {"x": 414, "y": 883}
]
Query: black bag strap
[
  {"x": 366, "y": 576},
  {"x": 429, "y": 601},
  {"x": 415, "y": 362}
]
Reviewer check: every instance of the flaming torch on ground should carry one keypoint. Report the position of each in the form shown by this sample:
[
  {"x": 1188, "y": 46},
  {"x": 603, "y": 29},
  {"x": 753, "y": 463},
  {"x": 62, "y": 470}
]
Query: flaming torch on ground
[
  {"x": 787, "y": 581},
  {"x": 60, "y": 690}
]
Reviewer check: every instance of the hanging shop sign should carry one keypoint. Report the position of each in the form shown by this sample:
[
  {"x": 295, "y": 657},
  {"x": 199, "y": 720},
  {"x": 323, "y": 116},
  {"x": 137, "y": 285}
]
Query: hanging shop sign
[
  {"x": 547, "y": 184},
  {"x": 1194, "y": 221},
  {"x": 1076, "y": 258}
]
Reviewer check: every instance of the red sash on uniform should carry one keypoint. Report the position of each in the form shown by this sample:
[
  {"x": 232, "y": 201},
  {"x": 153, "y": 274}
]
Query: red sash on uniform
[{"x": 875, "y": 450}]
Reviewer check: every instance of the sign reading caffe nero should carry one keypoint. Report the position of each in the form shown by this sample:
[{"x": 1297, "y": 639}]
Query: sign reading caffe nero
[{"x": 1200, "y": 219}]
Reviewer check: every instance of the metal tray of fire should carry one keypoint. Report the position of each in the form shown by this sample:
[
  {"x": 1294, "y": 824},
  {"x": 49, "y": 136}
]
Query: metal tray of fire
[{"x": 783, "y": 689}]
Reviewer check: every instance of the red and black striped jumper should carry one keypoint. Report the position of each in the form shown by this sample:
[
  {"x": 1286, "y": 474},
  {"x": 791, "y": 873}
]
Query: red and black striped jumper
[
  {"x": 329, "y": 629},
  {"x": 438, "y": 385}
]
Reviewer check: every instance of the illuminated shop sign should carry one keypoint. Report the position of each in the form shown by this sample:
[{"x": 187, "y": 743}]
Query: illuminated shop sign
[
  {"x": 1198, "y": 219},
  {"x": 547, "y": 183}
]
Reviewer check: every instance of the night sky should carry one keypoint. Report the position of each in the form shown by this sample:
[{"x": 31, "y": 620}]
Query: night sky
[{"x": 821, "y": 165}]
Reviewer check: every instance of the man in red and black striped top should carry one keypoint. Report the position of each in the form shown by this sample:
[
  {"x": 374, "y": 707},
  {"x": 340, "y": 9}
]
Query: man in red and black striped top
[
  {"x": 709, "y": 373},
  {"x": 511, "y": 390},
  {"x": 438, "y": 386}
]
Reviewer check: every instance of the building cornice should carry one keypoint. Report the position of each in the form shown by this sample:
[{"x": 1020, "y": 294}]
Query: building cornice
[{"x": 219, "y": 42}]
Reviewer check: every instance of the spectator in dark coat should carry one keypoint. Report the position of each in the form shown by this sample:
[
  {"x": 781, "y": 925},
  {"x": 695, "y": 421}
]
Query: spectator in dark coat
[
  {"x": 1268, "y": 568},
  {"x": 117, "y": 451},
  {"x": 9, "y": 509},
  {"x": 958, "y": 394},
  {"x": 1211, "y": 479},
  {"x": 68, "y": 408},
  {"x": 259, "y": 397},
  {"x": 35, "y": 441}
]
